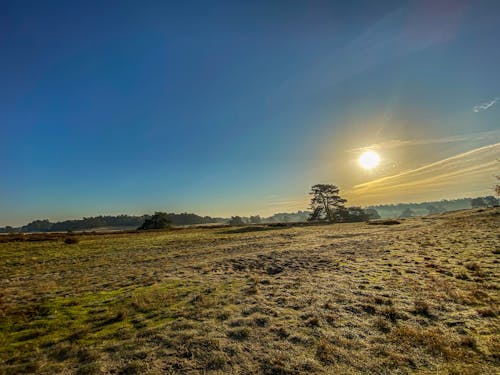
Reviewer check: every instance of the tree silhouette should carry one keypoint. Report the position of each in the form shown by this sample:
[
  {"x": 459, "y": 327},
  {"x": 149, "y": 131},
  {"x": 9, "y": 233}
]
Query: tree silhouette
[
  {"x": 159, "y": 220},
  {"x": 255, "y": 219},
  {"x": 490, "y": 201},
  {"x": 372, "y": 213},
  {"x": 326, "y": 203},
  {"x": 236, "y": 220},
  {"x": 478, "y": 202},
  {"x": 351, "y": 214},
  {"x": 407, "y": 213},
  {"x": 432, "y": 209}
]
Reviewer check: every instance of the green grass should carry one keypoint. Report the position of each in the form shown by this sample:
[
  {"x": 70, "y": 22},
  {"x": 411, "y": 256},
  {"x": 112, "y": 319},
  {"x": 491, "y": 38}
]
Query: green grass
[{"x": 61, "y": 326}]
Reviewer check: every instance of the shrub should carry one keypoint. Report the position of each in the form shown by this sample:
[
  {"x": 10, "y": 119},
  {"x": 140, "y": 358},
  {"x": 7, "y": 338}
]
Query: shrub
[
  {"x": 159, "y": 220},
  {"x": 71, "y": 240},
  {"x": 236, "y": 220}
]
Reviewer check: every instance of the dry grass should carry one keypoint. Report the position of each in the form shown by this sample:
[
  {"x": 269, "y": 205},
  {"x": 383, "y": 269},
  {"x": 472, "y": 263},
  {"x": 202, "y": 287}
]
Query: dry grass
[{"x": 418, "y": 297}]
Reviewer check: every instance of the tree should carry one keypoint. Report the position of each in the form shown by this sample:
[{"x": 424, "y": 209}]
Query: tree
[
  {"x": 407, "y": 213},
  {"x": 255, "y": 219},
  {"x": 478, "y": 202},
  {"x": 159, "y": 220},
  {"x": 38, "y": 226},
  {"x": 326, "y": 203},
  {"x": 490, "y": 201},
  {"x": 497, "y": 186},
  {"x": 432, "y": 209},
  {"x": 352, "y": 215},
  {"x": 236, "y": 220},
  {"x": 372, "y": 213}
]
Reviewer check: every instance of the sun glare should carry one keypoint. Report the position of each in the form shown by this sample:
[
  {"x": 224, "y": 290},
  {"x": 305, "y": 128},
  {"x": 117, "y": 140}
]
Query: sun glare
[{"x": 369, "y": 159}]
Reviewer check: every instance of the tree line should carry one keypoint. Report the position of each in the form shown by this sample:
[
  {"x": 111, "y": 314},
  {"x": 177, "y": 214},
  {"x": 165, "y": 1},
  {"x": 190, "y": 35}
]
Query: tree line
[
  {"x": 432, "y": 207},
  {"x": 326, "y": 205},
  {"x": 89, "y": 223}
]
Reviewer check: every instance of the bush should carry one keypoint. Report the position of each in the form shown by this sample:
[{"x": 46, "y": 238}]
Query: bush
[
  {"x": 159, "y": 220},
  {"x": 71, "y": 240},
  {"x": 236, "y": 220}
]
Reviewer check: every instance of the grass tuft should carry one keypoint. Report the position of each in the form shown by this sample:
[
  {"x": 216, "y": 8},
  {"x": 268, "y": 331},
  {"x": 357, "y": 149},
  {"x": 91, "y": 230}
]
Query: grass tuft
[{"x": 241, "y": 333}]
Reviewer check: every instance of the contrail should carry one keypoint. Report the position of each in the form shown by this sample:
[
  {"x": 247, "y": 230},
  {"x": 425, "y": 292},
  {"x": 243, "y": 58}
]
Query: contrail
[{"x": 429, "y": 166}]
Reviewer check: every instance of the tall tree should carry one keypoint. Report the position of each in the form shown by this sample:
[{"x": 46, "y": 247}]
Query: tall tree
[{"x": 325, "y": 202}]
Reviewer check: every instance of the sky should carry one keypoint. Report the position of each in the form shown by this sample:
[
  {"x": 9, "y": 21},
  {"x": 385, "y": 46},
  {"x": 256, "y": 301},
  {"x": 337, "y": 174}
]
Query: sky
[{"x": 237, "y": 108}]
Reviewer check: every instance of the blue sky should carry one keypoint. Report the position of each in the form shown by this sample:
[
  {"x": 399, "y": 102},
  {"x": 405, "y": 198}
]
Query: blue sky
[{"x": 239, "y": 107}]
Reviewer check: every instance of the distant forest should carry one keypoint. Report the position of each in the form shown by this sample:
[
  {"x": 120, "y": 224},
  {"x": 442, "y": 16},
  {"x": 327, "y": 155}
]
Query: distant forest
[
  {"x": 428, "y": 208},
  {"x": 133, "y": 222},
  {"x": 105, "y": 222}
]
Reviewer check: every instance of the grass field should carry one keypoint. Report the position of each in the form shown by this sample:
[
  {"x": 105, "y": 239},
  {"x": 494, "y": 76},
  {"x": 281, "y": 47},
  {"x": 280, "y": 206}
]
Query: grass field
[{"x": 418, "y": 297}]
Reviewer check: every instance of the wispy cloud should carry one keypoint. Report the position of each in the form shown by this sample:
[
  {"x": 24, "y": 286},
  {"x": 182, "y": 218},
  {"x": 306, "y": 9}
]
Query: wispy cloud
[
  {"x": 284, "y": 202},
  {"x": 469, "y": 170},
  {"x": 396, "y": 143},
  {"x": 485, "y": 106}
]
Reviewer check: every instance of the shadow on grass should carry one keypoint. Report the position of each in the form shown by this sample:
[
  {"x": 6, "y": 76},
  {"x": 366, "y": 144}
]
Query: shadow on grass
[{"x": 384, "y": 222}]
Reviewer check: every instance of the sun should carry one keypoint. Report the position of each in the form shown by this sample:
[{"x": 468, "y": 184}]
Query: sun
[{"x": 369, "y": 159}]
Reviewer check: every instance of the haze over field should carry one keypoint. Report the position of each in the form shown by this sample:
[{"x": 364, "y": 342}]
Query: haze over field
[{"x": 230, "y": 108}]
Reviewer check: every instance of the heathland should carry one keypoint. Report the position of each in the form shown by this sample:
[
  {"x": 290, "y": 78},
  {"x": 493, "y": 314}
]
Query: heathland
[{"x": 421, "y": 296}]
